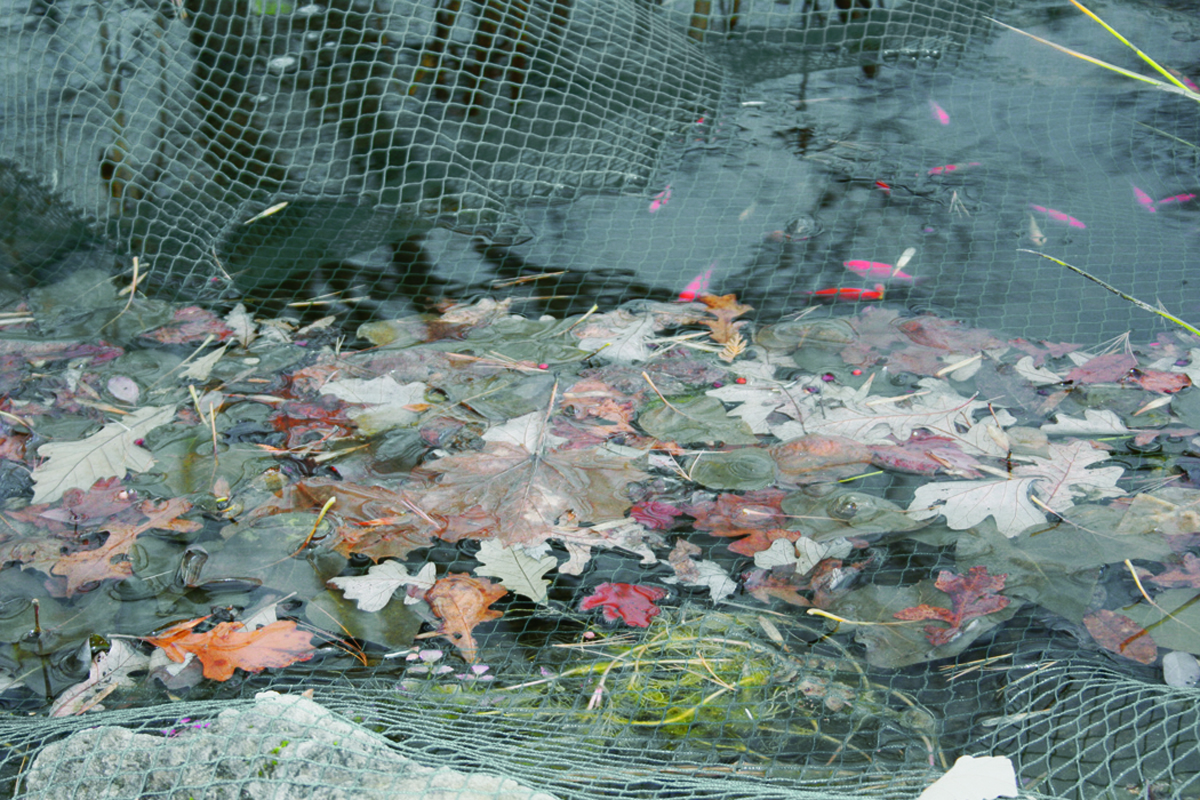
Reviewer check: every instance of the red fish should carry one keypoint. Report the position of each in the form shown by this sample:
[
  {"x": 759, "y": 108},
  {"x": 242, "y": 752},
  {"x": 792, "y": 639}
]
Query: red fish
[
  {"x": 1178, "y": 198},
  {"x": 1144, "y": 200},
  {"x": 848, "y": 293},
  {"x": 939, "y": 113},
  {"x": 697, "y": 286},
  {"x": 947, "y": 168},
  {"x": 1058, "y": 216},
  {"x": 878, "y": 270}
]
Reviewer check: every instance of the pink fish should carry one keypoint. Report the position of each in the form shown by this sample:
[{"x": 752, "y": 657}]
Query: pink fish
[
  {"x": 661, "y": 199},
  {"x": 1178, "y": 198},
  {"x": 947, "y": 168},
  {"x": 1185, "y": 80},
  {"x": 1058, "y": 216},
  {"x": 697, "y": 286},
  {"x": 849, "y": 294},
  {"x": 878, "y": 270},
  {"x": 1144, "y": 200},
  {"x": 939, "y": 113}
]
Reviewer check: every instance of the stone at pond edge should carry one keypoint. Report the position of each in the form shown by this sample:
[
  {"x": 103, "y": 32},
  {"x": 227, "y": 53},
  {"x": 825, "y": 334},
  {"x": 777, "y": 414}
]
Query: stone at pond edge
[
  {"x": 284, "y": 746},
  {"x": 1180, "y": 669}
]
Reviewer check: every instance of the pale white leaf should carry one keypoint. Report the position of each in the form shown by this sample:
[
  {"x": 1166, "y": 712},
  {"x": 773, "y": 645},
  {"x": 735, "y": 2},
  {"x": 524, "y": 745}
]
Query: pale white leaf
[
  {"x": 712, "y": 575},
  {"x": 809, "y": 554},
  {"x": 975, "y": 778},
  {"x": 968, "y": 503},
  {"x": 1038, "y": 376},
  {"x": 107, "y": 453},
  {"x": 757, "y": 402},
  {"x": 1066, "y": 475},
  {"x": 781, "y": 553},
  {"x": 202, "y": 367},
  {"x": 375, "y": 589},
  {"x": 626, "y": 338},
  {"x": 124, "y": 389},
  {"x": 386, "y": 401},
  {"x": 1094, "y": 423},
  {"x": 517, "y": 569},
  {"x": 242, "y": 324},
  {"x": 528, "y": 430},
  {"x": 108, "y": 671},
  {"x": 882, "y": 420}
]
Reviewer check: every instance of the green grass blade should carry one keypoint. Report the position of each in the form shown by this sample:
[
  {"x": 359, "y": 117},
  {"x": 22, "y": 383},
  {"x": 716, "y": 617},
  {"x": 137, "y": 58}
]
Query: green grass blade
[{"x": 1161, "y": 70}]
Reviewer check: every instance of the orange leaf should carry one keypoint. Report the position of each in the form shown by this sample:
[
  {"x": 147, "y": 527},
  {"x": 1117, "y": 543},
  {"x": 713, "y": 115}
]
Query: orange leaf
[
  {"x": 462, "y": 603},
  {"x": 230, "y": 646}
]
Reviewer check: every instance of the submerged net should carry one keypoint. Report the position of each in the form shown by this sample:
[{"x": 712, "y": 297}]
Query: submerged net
[{"x": 374, "y": 158}]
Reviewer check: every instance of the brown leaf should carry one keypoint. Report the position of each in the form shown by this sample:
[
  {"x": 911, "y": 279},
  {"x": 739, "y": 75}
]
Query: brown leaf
[
  {"x": 111, "y": 559},
  {"x": 1121, "y": 635},
  {"x": 1156, "y": 381},
  {"x": 1187, "y": 574},
  {"x": 816, "y": 458},
  {"x": 528, "y": 493},
  {"x": 1103, "y": 369},
  {"x": 229, "y": 646},
  {"x": 461, "y": 602}
]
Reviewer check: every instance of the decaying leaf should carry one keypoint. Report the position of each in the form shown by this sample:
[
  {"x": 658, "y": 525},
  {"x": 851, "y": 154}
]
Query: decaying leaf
[
  {"x": 109, "y": 452},
  {"x": 461, "y": 602},
  {"x": 971, "y": 595},
  {"x": 109, "y": 671},
  {"x": 1119, "y": 634},
  {"x": 229, "y": 646}
]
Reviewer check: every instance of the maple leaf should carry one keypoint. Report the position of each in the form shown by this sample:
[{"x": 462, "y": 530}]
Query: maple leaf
[
  {"x": 527, "y": 493},
  {"x": 109, "y": 452},
  {"x": 461, "y": 602},
  {"x": 1056, "y": 481},
  {"x": 111, "y": 559},
  {"x": 374, "y": 590},
  {"x": 971, "y": 595},
  {"x": 229, "y": 646},
  {"x": 631, "y": 603},
  {"x": 968, "y": 503},
  {"x": 1103, "y": 369}
]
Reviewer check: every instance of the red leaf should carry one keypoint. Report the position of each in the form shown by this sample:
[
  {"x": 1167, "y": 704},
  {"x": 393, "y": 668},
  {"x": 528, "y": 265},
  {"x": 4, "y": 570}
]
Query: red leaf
[
  {"x": 1103, "y": 369},
  {"x": 971, "y": 595},
  {"x": 630, "y": 603},
  {"x": 1121, "y": 635},
  {"x": 230, "y": 646},
  {"x": 191, "y": 324}
]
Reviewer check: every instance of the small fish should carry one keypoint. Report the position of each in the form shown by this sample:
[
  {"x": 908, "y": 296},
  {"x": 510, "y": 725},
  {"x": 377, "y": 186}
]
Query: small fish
[
  {"x": 947, "y": 168},
  {"x": 878, "y": 270},
  {"x": 1185, "y": 80},
  {"x": 661, "y": 199},
  {"x": 848, "y": 294},
  {"x": 883, "y": 187},
  {"x": 1144, "y": 200},
  {"x": 1178, "y": 198},
  {"x": 697, "y": 286},
  {"x": 1058, "y": 216},
  {"x": 939, "y": 113}
]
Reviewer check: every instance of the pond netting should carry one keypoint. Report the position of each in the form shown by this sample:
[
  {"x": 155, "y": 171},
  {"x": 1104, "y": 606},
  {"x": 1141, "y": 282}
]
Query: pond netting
[{"x": 579, "y": 399}]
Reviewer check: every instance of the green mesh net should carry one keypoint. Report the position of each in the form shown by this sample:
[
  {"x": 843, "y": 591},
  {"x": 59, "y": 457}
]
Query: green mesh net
[{"x": 374, "y": 159}]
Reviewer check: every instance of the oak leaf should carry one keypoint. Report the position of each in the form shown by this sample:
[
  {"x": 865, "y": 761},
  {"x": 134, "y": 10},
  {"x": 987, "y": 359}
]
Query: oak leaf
[
  {"x": 109, "y": 452},
  {"x": 519, "y": 568},
  {"x": 374, "y": 590},
  {"x": 461, "y": 602},
  {"x": 229, "y": 646},
  {"x": 628, "y": 602},
  {"x": 971, "y": 595}
]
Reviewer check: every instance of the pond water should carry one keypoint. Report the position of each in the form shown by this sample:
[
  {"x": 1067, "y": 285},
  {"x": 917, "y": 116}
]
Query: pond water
[{"x": 859, "y": 163}]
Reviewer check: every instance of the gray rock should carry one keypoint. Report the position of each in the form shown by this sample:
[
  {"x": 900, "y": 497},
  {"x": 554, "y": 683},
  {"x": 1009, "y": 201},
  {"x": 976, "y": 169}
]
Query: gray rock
[{"x": 285, "y": 747}]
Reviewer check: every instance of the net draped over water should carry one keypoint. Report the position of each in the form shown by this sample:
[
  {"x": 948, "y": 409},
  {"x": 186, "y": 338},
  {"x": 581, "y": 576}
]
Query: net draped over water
[{"x": 383, "y": 157}]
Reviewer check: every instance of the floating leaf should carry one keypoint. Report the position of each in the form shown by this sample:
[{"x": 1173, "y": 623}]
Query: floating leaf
[
  {"x": 630, "y": 603},
  {"x": 1119, "y": 634},
  {"x": 375, "y": 589},
  {"x": 971, "y": 595},
  {"x": 695, "y": 419},
  {"x": 743, "y": 470},
  {"x": 229, "y": 646},
  {"x": 518, "y": 567},
  {"x": 109, "y": 452},
  {"x": 461, "y": 602}
]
